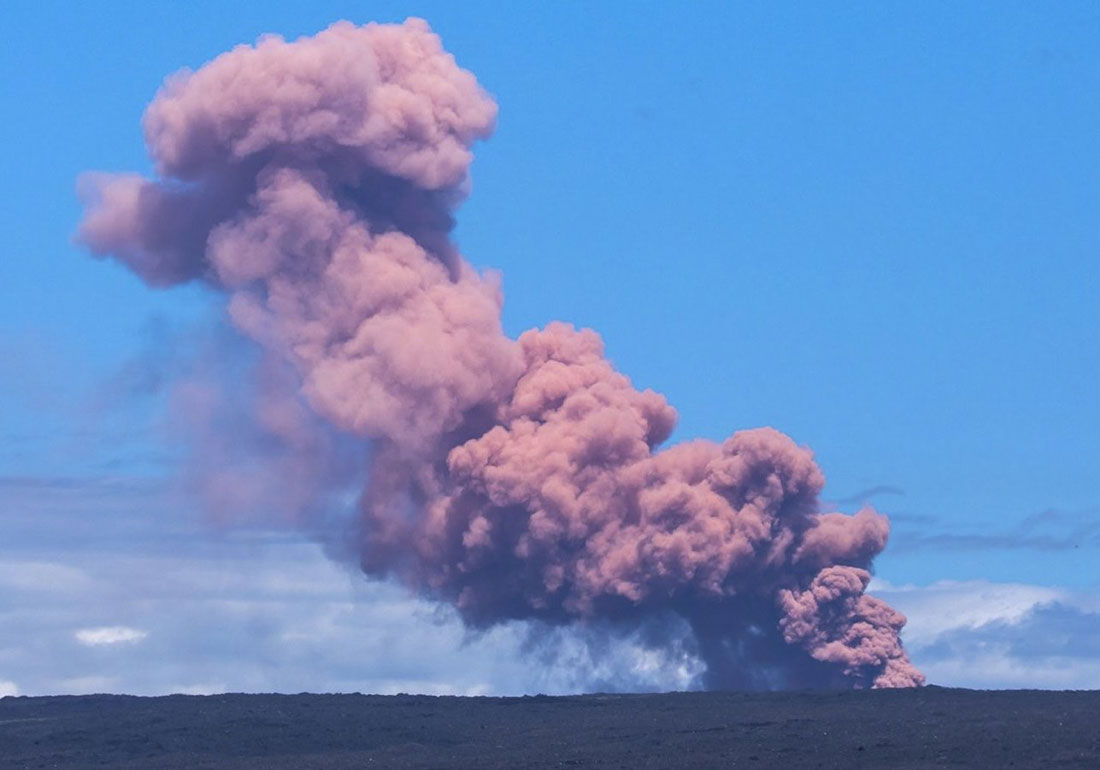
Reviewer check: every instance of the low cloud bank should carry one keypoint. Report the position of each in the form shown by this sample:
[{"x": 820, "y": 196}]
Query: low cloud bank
[{"x": 1001, "y": 635}]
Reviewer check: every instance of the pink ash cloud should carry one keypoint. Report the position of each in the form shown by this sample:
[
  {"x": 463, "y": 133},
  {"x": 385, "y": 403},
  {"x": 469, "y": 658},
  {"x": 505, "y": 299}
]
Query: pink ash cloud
[{"x": 312, "y": 184}]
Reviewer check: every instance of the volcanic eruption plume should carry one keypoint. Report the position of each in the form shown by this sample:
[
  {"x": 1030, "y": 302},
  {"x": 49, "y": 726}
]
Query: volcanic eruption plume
[{"x": 312, "y": 184}]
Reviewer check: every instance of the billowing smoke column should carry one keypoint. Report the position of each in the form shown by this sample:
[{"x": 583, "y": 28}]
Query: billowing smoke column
[{"x": 313, "y": 184}]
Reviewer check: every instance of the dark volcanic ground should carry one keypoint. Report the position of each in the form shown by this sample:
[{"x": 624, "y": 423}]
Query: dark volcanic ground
[{"x": 928, "y": 728}]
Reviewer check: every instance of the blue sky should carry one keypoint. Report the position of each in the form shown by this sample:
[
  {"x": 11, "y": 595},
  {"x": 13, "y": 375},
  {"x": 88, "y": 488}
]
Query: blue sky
[{"x": 874, "y": 229}]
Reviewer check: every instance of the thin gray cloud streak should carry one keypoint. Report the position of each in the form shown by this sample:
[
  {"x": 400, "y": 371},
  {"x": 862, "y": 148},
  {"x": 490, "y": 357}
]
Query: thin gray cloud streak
[
  {"x": 1049, "y": 531},
  {"x": 865, "y": 495}
]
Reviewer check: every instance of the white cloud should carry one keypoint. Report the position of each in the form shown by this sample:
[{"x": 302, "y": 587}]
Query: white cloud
[
  {"x": 8, "y": 688},
  {"x": 1000, "y": 635},
  {"x": 995, "y": 667},
  {"x": 951, "y": 605},
  {"x": 97, "y": 637}
]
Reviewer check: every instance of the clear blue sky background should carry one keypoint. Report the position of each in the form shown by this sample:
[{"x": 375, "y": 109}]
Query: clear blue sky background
[{"x": 871, "y": 225}]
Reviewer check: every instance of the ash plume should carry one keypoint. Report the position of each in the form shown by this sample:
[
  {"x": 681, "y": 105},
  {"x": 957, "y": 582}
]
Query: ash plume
[{"x": 312, "y": 184}]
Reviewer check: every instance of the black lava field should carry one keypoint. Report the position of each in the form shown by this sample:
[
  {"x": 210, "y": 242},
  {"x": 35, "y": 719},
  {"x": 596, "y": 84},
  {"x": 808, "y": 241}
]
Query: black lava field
[{"x": 931, "y": 727}]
